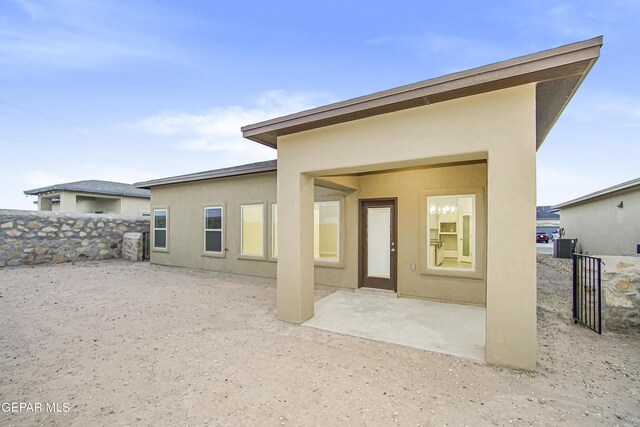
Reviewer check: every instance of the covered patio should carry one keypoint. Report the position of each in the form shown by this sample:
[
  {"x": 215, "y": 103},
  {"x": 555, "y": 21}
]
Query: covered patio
[
  {"x": 440, "y": 327},
  {"x": 493, "y": 118}
]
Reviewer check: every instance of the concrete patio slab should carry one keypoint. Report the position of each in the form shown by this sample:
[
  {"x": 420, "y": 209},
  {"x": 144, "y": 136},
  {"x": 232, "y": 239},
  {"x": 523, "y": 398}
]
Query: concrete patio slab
[{"x": 434, "y": 326}]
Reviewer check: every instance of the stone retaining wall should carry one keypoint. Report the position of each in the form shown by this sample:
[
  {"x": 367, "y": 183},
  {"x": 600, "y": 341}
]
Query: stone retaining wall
[
  {"x": 33, "y": 237},
  {"x": 621, "y": 293},
  {"x": 132, "y": 247}
]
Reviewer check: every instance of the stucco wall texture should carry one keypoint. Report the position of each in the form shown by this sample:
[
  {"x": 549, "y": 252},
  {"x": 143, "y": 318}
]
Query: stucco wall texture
[
  {"x": 32, "y": 237},
  {"x": 74, "y": 202},
  {"x": 603, "y": 228},
  {"x": 498, "y": 127}
]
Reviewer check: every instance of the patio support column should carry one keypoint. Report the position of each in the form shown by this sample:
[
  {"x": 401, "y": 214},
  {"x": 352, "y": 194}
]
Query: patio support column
[
  {"x": 67, "y": 201},
  {"x": 511, "y": 252},
  {"x": 295, "y": 244},
  {"x": 44, "y": 204}
]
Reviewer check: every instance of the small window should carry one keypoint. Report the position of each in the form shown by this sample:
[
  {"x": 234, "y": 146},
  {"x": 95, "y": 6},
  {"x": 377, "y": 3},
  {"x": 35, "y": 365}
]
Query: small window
[
  {"x": 274, "y": 230},
  {"x": 326, "y": 217},
  {"x": 160, "y": 228},
  {"x": 213, "y": 230},
  {"x": 451, "y": 232},
  {"x": 252, "y": 230}
]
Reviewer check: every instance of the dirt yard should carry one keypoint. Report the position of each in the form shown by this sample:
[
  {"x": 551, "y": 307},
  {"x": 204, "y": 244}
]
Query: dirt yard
[{"x": 136, "y": 344}]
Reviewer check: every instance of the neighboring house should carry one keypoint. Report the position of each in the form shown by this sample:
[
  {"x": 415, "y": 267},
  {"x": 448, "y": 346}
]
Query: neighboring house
[
  {"x": 606, "y": 222},
  {"x": 93, "y": 196},
  {"x": 427, "y": 190},
  {"x": 547, "y": 221}
]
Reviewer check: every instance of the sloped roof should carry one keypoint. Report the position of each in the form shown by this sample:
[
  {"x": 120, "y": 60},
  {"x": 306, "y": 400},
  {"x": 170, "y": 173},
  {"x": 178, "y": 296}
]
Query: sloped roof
[
  {"x": 247, "y": 169},
  {"x": 93, "y": 186},
  {"x": 545, "y": 212},
  {"x": 623, "y": 187},
  {"x": 558, "y": 73}
]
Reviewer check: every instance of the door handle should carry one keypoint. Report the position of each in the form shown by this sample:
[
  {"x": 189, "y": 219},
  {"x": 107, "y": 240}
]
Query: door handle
[{"x": 393, "y": 249}]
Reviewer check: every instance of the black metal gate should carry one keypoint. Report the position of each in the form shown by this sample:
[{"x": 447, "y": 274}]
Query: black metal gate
[
  {"x": 146, "y": 244},
  {"x": 586, "y": 291}
]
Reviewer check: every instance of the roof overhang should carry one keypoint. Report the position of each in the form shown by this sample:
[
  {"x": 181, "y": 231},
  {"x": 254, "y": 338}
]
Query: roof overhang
[
  {"x": 248, "y": 169},
  {"x": 47, "y": 191},
  {"x": 558, "y": 73},
  {"x": 625, "y": 187}
]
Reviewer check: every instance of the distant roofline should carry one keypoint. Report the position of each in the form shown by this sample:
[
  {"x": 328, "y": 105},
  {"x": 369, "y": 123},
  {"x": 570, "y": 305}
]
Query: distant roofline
[
  {"x": 77, "y": 186},
  {"x": 601, "y": 193},
  {"x": 246, "y": 169},
  {"x": 562, "y": 68}
]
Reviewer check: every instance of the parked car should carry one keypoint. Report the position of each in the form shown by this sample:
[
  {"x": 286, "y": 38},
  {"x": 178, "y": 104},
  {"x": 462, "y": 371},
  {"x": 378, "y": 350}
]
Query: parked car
[{"x": 541, "y": 237}]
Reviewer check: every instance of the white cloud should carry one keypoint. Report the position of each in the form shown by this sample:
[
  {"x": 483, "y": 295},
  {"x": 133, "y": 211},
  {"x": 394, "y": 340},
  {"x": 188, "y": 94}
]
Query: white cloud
[
  {"x": 218, "y": 130},
  {"x": 610, "y": 109},
  {"x": 40, "y": 178},
  {"x": 466, "y": 51},
  {"x": 85, "y": 35},
  {"x": 564, "y": 21}
]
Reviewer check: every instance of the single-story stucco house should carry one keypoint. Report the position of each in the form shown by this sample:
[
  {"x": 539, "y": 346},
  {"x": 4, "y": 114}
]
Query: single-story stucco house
[
  {"x": 93, "y": 196},
  {"x": 426, "y": 190},
  {"x": 606, "y": 222}
]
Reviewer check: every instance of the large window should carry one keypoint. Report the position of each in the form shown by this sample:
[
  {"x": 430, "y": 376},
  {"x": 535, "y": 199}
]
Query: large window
[
  {"x": 160, "y": 228},
  {"x": 274, "y": 230},
  {"x": 326, "y": 227},
  {"x": 213, "y": 242},
  {"x": 326, "y": 231},
  {"x": 252, "y": 230},
  {"x": 451, "y": 228}
]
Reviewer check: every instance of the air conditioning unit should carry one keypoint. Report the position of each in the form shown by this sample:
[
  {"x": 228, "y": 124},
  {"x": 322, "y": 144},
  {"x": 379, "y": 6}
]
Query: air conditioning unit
[{"x": 564, "y": 248}]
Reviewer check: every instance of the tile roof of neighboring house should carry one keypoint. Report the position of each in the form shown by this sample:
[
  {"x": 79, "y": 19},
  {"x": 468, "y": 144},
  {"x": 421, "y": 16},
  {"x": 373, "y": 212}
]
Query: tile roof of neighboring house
[
  {"x": 95, "y": 187},
  {"x": 544, "y": 212},
  {"x": 251, "y": 168},
  {"x": 625, "y": 186}
]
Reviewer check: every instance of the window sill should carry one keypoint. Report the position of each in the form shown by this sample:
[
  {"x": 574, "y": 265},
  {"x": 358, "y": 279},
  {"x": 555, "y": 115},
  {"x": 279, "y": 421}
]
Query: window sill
[
  {"x": 252, "y": 258},
  {"x": 213, "y": 254},
  {"x": 162, "y": 250},
  {"x": 328, "y": 264},
  {"x": 458, "y": 274}
]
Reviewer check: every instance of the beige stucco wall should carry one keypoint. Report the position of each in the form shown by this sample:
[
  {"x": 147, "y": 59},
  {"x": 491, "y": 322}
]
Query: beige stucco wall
[
  {"x": 497, "y": 126},
  {"x": 601, "y": 227},
  {"x": 74, "y": 202},
  {"x": 185, "y": 204},
  {"x": 411, "y": 189},
  {"x": 135, "y": 206}
]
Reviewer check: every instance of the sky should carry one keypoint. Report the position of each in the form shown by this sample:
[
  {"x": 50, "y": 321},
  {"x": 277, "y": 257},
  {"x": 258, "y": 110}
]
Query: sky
[{"x": 135, "y": 90}]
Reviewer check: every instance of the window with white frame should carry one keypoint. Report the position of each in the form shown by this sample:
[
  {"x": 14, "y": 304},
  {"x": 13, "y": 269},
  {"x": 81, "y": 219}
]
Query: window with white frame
[
  {"x": 326, "y": 231},
  {"x": 252, "y": 230},
  {"x": 213, "y": 235},
  {"x": 160, "y": 228},
  {"x": 451, "y": 230},
  {"x": 326, "y": 227}
]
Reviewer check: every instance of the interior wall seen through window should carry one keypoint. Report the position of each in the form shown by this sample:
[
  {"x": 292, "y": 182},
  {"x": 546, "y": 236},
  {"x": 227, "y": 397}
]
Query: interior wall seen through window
[{"x": 451, "y": 232}]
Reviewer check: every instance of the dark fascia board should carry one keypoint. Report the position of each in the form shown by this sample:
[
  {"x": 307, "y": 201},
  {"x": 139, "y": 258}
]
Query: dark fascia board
[
  {"x": 553, "y": 64},
  {"x": 623, "y": 187},
  {"x": 248, "y": 169}
]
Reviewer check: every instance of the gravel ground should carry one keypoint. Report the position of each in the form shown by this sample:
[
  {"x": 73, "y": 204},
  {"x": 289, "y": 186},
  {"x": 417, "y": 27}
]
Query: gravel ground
[
  {"x": 137, "y": 344},
  {"x": 563, "y": 266}
]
